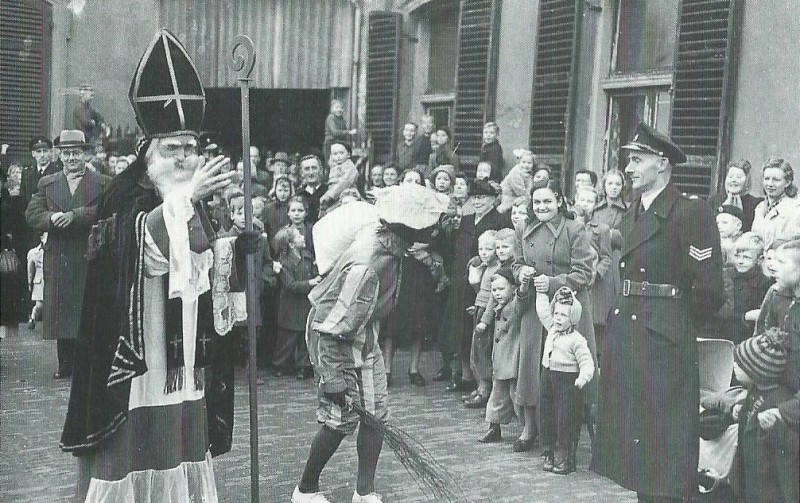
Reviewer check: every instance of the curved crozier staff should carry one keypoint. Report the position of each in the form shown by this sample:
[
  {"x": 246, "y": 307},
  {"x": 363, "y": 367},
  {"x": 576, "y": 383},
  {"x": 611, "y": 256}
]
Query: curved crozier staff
[{"x": 243, "y": 60}]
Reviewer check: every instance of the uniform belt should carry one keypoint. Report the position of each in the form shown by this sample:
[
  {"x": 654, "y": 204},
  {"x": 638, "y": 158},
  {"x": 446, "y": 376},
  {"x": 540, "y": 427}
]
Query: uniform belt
[{"x": 645, "y": 289}]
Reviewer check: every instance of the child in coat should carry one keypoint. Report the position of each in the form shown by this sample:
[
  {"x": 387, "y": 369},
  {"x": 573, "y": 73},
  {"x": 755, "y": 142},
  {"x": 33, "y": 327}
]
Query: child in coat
[
  {"x": 480, "y": 271},
  {"x": 518, "y": 181},
  {"x": 505, "y": 321},
  {"x": 297, "y": 218},
  {"x": 768, "y": 445},
  {"x": 491, "y": 151},
  {"x": 745, "y": 288},
  {"x": 729, "y": 224},
  {"x": 265, "y": 272},
  {"x": 36, "y": 279},
  {"x": 298, "y": 276},
  {"x": 567, "y": 367},
  {"x": 276, "y": 213},
  {"x": 342, "y": 175}
]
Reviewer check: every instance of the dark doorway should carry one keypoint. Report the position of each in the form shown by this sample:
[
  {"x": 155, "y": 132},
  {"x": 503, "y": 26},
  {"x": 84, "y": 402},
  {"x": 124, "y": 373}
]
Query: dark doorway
[{"x": 291, "y": 120}]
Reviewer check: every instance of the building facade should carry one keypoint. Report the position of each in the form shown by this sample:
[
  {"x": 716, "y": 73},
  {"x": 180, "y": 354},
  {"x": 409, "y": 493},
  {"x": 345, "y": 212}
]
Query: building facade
[{"x": 569, "y": 79}]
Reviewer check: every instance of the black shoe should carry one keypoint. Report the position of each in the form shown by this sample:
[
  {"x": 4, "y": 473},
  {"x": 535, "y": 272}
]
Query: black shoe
[
  {"x": 445, "y": 374},
  {"x": 479, "y": 402},
  {"x": 492, "y": 436},
  {"x": 416, "y": 378},
  {"x": 521, "y": 445}
]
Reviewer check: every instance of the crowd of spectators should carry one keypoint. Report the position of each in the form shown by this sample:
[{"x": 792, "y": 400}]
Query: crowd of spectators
[{"x": 516, "y": 260}]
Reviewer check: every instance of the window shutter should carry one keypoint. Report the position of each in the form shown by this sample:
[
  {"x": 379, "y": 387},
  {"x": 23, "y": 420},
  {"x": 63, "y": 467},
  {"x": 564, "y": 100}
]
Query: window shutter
[
  {"x": 23, "y": 81},
  {"x": 555, "y": 48},
  {"x": 476, "y": 77},
  {"x": 383, "y": 79},
  {"x": 701, "y": 89}
]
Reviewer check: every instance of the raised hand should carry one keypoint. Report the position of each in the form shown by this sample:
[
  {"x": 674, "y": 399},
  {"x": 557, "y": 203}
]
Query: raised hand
[{"x": 209, "y": 178}]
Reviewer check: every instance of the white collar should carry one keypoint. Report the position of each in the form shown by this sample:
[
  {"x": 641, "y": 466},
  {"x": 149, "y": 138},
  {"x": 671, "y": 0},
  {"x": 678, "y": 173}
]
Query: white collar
[{"x": 648, "y": 199}]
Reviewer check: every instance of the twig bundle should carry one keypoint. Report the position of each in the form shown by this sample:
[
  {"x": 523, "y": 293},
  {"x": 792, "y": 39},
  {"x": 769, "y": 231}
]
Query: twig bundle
[{"x": 430, "y": 475}]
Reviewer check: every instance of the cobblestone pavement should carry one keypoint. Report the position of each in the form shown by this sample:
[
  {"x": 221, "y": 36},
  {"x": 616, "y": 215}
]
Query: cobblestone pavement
[{"x": 32, "y": 468}]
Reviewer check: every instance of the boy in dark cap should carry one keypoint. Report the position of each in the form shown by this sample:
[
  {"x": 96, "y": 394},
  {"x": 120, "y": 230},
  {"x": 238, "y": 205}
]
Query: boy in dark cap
[{"x": 729, "y": 223}]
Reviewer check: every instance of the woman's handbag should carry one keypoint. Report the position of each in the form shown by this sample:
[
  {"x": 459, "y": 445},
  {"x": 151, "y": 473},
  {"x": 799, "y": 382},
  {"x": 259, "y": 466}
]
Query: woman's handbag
[{"x": 9, "y": 262}]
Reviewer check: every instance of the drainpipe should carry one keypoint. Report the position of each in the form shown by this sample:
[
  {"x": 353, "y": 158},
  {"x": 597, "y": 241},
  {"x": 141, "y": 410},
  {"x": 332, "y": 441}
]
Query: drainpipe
[
  {"x": 572, "y": 100},
  {"x": 355, "y": 71}
]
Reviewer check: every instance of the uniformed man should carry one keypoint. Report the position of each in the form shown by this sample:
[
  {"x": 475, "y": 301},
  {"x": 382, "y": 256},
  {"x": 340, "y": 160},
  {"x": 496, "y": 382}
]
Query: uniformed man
[
  {"x": 671, "y": 270},
  {"x": 42, "y": 152}
]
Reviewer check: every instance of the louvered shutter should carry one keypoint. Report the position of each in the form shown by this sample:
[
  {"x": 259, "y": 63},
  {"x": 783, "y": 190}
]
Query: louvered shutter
[
  {"x": 383, "y": 80},
  {"x": 701, "y": 88},
  {"x": 555, "y": 47},
  {"x": 23, "y": 79},
  {"x": 476, "y": 77}
]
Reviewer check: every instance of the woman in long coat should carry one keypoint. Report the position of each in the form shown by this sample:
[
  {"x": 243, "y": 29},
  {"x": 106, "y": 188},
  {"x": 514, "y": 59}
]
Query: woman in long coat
[{"x": 558, "y": 249}]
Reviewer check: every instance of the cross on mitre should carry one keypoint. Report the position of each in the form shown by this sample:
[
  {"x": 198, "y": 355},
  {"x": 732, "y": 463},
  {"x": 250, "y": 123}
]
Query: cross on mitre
[{"x": 166, "y": 93}]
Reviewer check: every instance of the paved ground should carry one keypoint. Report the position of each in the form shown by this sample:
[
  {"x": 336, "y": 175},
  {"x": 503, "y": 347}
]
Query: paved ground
[{"x": 32, "y": 468}]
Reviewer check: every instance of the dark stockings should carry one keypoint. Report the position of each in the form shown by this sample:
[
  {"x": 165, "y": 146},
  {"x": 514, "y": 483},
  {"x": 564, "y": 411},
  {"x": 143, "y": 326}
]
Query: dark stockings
[
  {"x": 369, "y": 444},
  {"x": 325, "y": 444},
  {"x": 322, "y": 448}
]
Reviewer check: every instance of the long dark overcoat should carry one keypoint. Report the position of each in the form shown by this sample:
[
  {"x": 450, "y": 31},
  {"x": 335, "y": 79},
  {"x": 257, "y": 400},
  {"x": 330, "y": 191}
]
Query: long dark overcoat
[
  {"x": 648, "y": 425},
  {"x": 561, "y": 250},
  {"x": 64, "y": 261}
]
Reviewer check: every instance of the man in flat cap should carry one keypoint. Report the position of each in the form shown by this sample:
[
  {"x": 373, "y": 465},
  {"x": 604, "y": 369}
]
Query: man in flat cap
[
  {"x": 671, "y": 269},
  {"x": 342, "y": 335}
]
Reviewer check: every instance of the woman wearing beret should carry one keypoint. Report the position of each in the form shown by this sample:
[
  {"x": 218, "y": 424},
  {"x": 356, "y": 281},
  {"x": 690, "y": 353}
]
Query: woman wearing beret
[
  {"x": 556, "y": 252},
  {"x": 736, "y": 192}
]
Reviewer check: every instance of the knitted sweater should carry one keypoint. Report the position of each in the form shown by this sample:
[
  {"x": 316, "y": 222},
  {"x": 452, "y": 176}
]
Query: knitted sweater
[{"x": 563, "y": 352}]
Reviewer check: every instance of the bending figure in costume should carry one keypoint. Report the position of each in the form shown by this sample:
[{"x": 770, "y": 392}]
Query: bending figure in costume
[
  {"x": 144, "y": 417},
  {"x": 342, "y": 334}
]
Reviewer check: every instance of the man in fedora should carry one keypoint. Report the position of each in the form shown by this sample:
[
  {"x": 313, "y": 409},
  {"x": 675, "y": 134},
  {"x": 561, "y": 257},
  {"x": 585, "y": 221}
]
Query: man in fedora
[
  {"x": 65, "y": 205},
  {"x": 671, "y": 270}
]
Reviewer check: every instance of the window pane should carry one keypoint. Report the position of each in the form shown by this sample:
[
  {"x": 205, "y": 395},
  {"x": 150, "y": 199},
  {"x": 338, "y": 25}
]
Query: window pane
[
  {"x": 646, "y": 35},
  {"x": 444, "y": 41}
]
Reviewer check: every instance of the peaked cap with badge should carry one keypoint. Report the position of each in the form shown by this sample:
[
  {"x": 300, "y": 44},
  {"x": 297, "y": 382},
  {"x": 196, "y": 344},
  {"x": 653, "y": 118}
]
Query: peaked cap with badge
[
  {"x": 670, "y": 266},
  {"x": 166, "y": 93},
  {"x": 655, "y": 142}
]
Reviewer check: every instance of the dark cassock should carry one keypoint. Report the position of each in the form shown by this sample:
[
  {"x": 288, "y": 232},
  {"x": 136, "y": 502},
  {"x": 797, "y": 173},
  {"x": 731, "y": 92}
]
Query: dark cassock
[{"x": 152, "y": 394}]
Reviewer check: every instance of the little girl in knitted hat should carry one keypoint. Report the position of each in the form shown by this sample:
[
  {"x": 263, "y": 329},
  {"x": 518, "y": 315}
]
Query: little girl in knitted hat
[
  {"x": 567, "y": 368},
  {"x": 768, "y": 449}
]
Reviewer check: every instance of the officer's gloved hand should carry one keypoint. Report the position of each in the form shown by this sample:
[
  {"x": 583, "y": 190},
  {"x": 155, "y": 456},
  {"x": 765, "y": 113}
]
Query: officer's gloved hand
[
  {"x": 338, "y": 398},
  {"x": 248, "y": 242}
]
